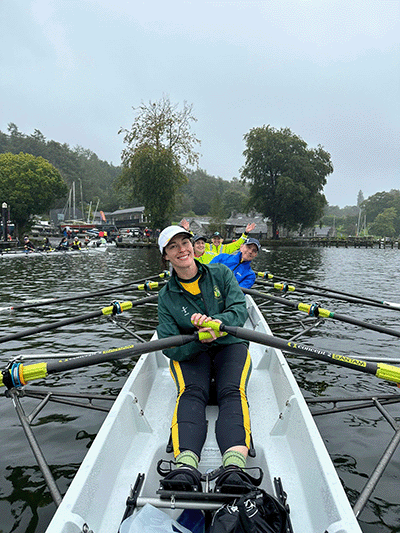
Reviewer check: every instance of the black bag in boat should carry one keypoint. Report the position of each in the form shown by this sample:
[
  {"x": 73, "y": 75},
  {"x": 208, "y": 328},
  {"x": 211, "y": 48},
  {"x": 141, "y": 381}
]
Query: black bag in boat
[{"x": 254, "y": 512}]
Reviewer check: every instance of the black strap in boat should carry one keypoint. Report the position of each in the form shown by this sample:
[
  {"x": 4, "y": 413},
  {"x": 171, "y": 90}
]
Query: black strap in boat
[
  {"x": 249, "y": 471},
  {"x": 164, "y": 467},
  {"x": 131, "y": 501},
  {"x": 282, "y": 497}
]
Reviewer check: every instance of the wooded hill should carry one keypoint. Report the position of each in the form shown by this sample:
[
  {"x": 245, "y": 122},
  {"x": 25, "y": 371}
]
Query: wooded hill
[
  {"x": 75, "y": 164},
  {"x": 202, "y": 195}
]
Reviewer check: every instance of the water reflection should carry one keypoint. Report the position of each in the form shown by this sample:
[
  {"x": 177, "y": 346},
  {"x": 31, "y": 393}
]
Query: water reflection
[
  {"x": 354, "y": 440},
  {"x": 27, "y": 494}
]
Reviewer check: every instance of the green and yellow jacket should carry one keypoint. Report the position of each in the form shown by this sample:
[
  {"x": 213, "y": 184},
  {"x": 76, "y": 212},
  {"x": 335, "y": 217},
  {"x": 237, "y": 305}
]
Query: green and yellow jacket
[
  {"x": 220, "y": 298},
  {"x": 211, "y": 250}
]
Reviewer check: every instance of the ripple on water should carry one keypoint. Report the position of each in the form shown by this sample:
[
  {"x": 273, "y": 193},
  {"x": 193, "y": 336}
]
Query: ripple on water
[{"x": 355, "y": 439}]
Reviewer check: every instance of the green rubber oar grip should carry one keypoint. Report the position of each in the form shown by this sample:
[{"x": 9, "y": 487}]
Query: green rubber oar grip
[{"x": 215, "y": 327}]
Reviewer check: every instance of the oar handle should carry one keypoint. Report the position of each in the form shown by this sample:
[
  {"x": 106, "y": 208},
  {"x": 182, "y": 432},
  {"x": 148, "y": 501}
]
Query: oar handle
[
  {"x": 215, "y": 326},
  {"x": 284, "y": 287},
  {"x": 315, "y": 310},
  {"x": 149, "y": 285},
  {"x": 265, "y": 275}
]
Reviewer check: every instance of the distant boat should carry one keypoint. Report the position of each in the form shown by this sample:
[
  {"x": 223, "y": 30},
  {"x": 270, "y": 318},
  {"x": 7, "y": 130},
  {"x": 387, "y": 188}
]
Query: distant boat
[{"x": 77, "y": 225}]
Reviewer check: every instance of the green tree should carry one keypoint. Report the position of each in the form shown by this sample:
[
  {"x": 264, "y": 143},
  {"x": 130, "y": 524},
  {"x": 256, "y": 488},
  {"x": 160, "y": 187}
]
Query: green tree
[
  {"x": 158, "y": 146},
  {"x": 201, "y": 188},
  {"x": 376, "y": 204},
  {"x": 379, "y": 202},
  {"x": 29, "y": 185},
  {"x": 348, "y": 225},
  {"x": 198, "y": 194},
  {"x": 153, "y": 177},
  {"x": 384, "y": 223},
  {"x": 77, "y": 165},
  {"x": 286, "y": 177},
  {"x": 218, "y": 215}
]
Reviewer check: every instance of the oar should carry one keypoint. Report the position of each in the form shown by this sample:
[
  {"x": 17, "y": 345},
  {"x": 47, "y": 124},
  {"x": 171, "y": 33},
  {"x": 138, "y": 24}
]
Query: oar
[
  {"x": 19, "y": 374},
  {"x": 141, "y": 284},
  {"x": 115, "y": 308},
  {"x": 285, "y": 287},
  {"x": 316, "y": 311},
  {"x": 380, "y": 370},
  {"x": 394, "y": 305}
]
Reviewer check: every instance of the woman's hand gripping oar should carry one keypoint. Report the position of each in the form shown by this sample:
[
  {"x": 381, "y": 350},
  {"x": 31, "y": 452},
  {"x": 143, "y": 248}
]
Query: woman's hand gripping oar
[
  {"x": 206, "y": 334},
  {"x": 380, "y": 370}
]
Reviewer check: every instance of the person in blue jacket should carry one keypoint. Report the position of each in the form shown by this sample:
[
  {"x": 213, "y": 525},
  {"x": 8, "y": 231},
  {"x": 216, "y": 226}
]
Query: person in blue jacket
[{"x": 240, "y": 263}]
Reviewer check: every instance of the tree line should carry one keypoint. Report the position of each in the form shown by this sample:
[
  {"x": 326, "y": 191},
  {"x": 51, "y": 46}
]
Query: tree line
[
  {"x": 378, "y": 215},
  {"x": 201, "y": 194},
  {"x": 76, "y": 164},
  {"x": 282, "y": 177}
]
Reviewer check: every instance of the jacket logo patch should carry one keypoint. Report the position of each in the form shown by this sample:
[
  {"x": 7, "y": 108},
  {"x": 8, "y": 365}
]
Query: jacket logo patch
[
  {"x": 217, "y": 293},
  {"x": 185, "y": 310}
]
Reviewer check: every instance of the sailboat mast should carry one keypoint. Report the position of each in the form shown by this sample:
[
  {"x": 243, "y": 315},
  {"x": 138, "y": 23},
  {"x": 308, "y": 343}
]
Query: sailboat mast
[
  {"x": 80, "y": 183},
  {"x": 90, "y": 208},
  {"x": 73, "y": 199},
  {"x": 95, "y": 211}
]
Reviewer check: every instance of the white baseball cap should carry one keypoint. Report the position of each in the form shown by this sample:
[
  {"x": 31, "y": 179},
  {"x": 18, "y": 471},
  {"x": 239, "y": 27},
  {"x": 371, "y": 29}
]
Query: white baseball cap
[{"x": 167, "y": 234}]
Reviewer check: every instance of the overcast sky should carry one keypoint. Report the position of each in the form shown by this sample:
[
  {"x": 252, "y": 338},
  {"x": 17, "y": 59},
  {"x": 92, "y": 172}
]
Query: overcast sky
[{"x": 327, "y": 69}]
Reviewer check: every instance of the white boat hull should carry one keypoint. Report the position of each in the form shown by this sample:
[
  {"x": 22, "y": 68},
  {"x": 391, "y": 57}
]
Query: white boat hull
[
  {"x": 135, "y": 433},
  {"x": 47, "y": 253}
]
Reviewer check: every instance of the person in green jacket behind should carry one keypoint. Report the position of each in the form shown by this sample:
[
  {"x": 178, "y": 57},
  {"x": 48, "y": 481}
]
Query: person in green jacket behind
[
  {"x": 216, "y": 246},
  {"x": 197, "y": 293}
]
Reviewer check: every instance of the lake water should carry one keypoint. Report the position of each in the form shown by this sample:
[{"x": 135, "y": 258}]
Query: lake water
[{"x": 354, "y": 439}]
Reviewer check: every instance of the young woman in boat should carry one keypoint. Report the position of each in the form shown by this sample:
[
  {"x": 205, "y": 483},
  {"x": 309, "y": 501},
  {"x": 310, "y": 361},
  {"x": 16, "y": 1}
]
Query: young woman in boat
[{"x": 195, "y": 294}]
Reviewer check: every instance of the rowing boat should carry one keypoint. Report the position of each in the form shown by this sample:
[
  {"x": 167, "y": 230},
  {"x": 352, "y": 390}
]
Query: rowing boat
[
  {"x": 134, "y": 435},
  {"x": 44, "y": 253},
  {"x": 98, "y": 245}
]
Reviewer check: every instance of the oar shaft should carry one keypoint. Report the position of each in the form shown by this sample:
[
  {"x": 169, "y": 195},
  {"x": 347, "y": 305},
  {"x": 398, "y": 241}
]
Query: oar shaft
[
  {"x": 73, "y": 320},
  {"x": 324, "y": 313},
  {"x": 337, "y": 295},
  {"x": 86, "y": 294},
  {"x": 119, "y": 353},
  {"x": 380, "y": 370},
  {"x": 20, "y": 375},
  {"x": 49, "y": 327},
  {"x": 380, "y": 303}
]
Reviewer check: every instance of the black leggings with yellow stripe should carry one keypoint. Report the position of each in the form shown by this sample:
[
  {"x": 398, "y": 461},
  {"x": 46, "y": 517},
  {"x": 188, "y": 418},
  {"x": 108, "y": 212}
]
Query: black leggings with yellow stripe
[{"x": 231, "y": 366}]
